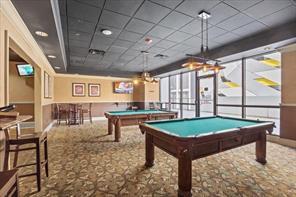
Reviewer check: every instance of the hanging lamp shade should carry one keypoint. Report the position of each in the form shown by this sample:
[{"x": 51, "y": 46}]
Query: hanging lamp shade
[
  {"x": 216, "y": 68},
  {"x": 192, "y": 64}
]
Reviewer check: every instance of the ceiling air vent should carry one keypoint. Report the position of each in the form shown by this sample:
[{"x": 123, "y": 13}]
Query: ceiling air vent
[
  {"x": 161, "y": 56},
  {"x": 96, "y": 52}
]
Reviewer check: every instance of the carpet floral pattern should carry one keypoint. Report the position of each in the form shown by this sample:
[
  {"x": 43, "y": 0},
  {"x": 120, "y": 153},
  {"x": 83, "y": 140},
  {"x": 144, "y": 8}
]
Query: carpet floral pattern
[{"x": 84, "y": 161}]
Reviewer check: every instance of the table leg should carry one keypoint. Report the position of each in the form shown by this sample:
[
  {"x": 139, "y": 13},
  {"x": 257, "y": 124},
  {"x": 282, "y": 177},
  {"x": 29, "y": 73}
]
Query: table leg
[
  {"x": 261, "y": 149},
  {"x": 117, "y": 130},
  {"x": 110, "y": 127},
  {"x": 184, "y": 175},
  {"x": 149, "y": 148}
]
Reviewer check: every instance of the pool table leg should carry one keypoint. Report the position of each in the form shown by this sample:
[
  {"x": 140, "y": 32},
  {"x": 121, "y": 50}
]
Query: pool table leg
[
  {"x": 184, "y": 176},
  {"x": 261, "y": 149},
  {"x": 117, "y": 130},
  {"x": 149, "y": 150},
  {"x": 110, "y": 126}
]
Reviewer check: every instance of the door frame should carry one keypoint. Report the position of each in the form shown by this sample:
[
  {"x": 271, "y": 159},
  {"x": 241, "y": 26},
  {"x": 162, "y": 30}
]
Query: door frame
[{"x": 215, "y": 91}]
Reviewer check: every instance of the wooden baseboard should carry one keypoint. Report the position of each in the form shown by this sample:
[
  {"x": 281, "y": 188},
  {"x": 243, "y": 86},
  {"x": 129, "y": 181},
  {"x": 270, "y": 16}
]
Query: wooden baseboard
[{"x": 281, "y": 141}]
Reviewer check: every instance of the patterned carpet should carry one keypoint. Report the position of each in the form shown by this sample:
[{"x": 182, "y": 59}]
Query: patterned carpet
[{"x": 84, "y": 161}]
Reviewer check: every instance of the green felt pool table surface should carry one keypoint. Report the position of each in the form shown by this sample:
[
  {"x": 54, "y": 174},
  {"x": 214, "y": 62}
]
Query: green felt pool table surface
[
  {"x": 201, "y": 126},
  {"x": 135, "y": 112}
]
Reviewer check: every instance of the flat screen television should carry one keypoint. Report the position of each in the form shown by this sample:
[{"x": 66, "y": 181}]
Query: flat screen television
[
  {"x": 123, "y": 87},
  {"x": 25, "y": 70}
]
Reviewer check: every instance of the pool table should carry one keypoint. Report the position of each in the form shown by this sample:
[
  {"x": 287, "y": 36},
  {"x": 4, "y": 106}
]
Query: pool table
[
  {"x": 134, "y": 117},
  {"x": 190, "y": 139}
]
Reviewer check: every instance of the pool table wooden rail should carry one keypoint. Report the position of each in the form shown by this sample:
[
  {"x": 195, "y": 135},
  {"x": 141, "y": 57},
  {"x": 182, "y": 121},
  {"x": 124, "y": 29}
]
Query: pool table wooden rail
[
  {"x": 186, "y": 149},
  {"x": 134, "y": 119}
]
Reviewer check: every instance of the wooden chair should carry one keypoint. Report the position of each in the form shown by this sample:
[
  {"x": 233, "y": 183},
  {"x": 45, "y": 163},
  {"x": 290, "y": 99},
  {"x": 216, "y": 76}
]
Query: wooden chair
[
  {"x": 86, "y": 111},
  {"x": 25, "y": 143},
  {"x": 9, "y": 183},
  {"x": 62, "y": 114},
  {"x": 74, "y": 113}
]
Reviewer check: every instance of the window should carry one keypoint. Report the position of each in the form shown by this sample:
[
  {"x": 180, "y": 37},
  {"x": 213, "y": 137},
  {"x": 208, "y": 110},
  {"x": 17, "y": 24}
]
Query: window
[
  {"x": 175, "y": 90},
  {"x": 263, "y": 80},
  {"x": 164, "y": 90},
  {"x": 188, "y": 87},
  {"x": 230, "y": 83}
]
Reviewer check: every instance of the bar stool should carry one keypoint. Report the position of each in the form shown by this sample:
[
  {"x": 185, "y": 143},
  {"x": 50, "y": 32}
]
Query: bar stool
[
  {"x": 35, "y": 141},
  {"x": 86, "y": 111}
]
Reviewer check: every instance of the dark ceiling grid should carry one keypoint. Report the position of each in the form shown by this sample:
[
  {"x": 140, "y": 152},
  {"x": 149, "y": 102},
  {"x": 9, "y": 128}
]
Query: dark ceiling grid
[
  {"x": 224, "y": 29},
  {"x": 137, "y": 44}
]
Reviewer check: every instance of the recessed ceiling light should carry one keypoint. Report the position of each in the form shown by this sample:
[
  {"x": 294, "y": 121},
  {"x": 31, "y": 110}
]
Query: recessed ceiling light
[
  {"x": 57, "y": 67},
  {"x": 106, "y": 32},
  {"x": 41, "y": 33},
  {"x": 77, "y": 34},
  {"x": 52, "y": 56}
]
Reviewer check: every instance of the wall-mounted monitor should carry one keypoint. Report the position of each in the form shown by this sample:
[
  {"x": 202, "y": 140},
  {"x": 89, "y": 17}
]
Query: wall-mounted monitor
[
  {"x": 25, "y": 70},
  {"x": 123, "y": 87}
]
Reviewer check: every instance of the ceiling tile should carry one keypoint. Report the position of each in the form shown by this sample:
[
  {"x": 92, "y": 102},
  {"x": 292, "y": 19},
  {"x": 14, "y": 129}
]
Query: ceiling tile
[
  {"x": 221, "y": 12},
  {"x": 80, "y": 25},
  {"x": 140, "y": 47},
  {"x": 250, "y": 29},
  {"x": 77, "y": 35},
  {"x": 168, "y": 3},
  {"x": 283, "y": 16},
  {"x": 180, "y": 47},
  {"x": 101, "y": 43},
  {"x": 152, "y": 12},
  {"x": 241, "y": 4},
  {"x": 132, "y": 52},
  {"x": 267, "y": 7},
  {"x": 83, "y": 11},
  {"x": 193, "y": 7},
  {"x": 155, "y": 50},
  {"x": 178, "y": 36},
  {"x": 226, "y": 38},
  {"x": 175, "y": 20},
  {"x": 111, "y": 56},
  {"x": 79, "y": 51},
  {"x": 117, "y": 49},
  {"x": 139, "y": 26},
  {"x": 160, "y": 31},
  {"x": 113, "y": 19},
  {"x": 165, "y": 44},
  {"x": 123, "y": 7},
  {"x": 122, "y": 43},
  {"x": 235, "y": 22},
  {"x": 130, "y": 36},
  {"x": 193, "y": 28},
  {"x": 193, "y": 41},
  {"x": 127, "y": 58},
  {"x": 215, "y": 31},
  {"x": 79, "y": 43},
  {"x": 97, "y": 3}
]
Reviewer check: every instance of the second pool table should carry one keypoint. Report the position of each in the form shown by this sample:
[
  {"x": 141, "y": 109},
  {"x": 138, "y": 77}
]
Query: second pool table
[
  {"x": 134, "y": 117},
  {"x": 190, "y": 139}
]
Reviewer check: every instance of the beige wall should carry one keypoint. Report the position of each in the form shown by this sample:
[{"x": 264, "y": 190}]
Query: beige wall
[
  {"x": 288, "y": 77},
  {"x": 15, "y": 35},
  {"x": 146, "y": 92},
  {"x": 288, "y": 107},
  {"x": 21, "y": 89},
  {"x": 63, "y": 89}
]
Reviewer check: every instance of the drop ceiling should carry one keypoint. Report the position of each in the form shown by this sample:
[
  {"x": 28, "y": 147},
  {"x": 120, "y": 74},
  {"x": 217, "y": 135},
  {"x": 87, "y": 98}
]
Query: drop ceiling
[{"x": 173, "y": 25}]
